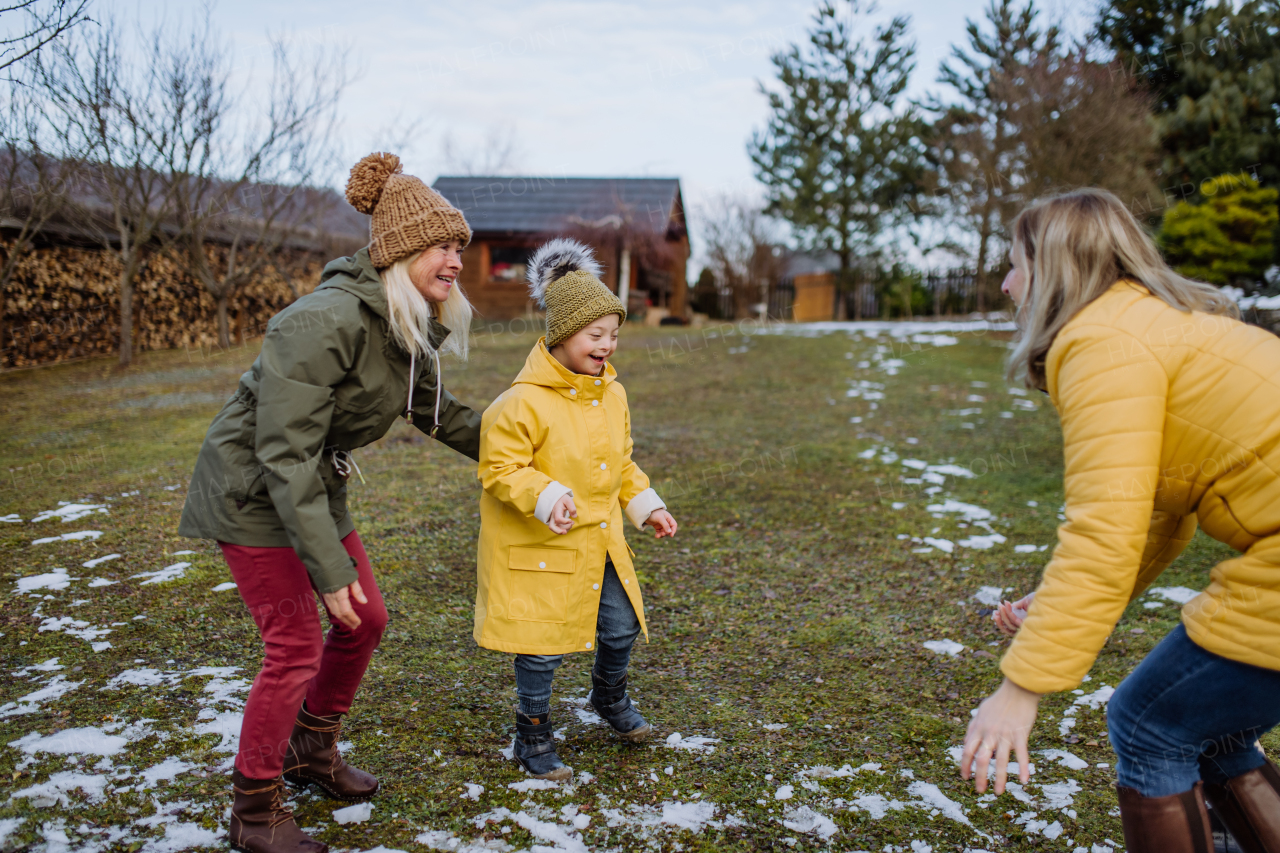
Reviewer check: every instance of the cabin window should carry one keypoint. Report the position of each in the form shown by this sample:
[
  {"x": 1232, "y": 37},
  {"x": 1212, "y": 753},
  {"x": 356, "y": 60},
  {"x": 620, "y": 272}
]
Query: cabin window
[{"x": 507, "y": 263}]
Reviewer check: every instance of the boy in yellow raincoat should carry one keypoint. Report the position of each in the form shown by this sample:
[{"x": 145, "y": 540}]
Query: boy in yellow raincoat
[{"x": 555, "y": 573}]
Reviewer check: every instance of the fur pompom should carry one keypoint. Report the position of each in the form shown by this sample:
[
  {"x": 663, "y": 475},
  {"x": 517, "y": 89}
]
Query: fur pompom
[
  {"x": 368, "y": 179},
  {"x": 555, "y": 260}
]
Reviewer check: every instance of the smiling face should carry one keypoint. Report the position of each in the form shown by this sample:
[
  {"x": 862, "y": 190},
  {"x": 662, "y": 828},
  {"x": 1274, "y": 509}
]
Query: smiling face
[
  {"x": 435, "y": 271},
  {"x": 586, "y": 351}
]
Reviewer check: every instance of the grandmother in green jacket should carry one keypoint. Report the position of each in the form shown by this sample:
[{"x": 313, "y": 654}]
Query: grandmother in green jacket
[{"x": 337, "y": 368}]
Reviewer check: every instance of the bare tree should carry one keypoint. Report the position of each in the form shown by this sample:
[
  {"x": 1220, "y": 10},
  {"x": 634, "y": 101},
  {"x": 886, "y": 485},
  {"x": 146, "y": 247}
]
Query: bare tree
[
  {"x": 498, "y": 154},
  {"x": 741, "y": 243},
  {"x": 37, "y": 173},
  {"x": 42, "y": 22},
  {"x": 138, "y": 115},
  {"x": 244, "y": 185}
]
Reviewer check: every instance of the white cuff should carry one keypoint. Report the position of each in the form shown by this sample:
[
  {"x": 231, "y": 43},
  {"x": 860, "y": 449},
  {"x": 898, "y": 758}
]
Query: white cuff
[
  {"x": 642, "y": 506},
  {"x": 547, "y": 501}
]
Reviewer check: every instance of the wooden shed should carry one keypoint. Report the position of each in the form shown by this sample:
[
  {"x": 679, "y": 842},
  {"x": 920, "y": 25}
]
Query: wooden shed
[{"x": 636, "y": 225}]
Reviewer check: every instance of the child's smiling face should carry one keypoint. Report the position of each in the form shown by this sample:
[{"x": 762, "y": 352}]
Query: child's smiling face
[{"x": 586, "y": 351}]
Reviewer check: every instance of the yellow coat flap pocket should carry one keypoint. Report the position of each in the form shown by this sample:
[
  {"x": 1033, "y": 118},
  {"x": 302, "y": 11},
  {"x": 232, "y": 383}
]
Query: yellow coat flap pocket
[{"x": 543, "y": 559}]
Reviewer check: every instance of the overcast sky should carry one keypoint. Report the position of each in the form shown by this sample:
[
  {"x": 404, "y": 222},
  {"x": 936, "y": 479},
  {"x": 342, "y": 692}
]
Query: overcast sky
[{"x": 606, "y": 87}]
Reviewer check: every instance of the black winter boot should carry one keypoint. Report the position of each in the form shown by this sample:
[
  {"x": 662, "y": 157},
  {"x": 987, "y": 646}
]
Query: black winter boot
[
  {"x": 612, "y": 702},
  {"x": 534, "y": 749}
]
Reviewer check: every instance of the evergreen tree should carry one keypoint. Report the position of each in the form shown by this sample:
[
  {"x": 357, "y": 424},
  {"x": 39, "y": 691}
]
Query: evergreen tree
[
  {"x": 840, "y": 154},
  {"x": 1227, "y": 237}
]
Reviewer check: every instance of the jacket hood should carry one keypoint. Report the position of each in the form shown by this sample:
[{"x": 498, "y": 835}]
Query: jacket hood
[
  {"x": 541, "y": 368},
  {"x": 356, "y": 275}
]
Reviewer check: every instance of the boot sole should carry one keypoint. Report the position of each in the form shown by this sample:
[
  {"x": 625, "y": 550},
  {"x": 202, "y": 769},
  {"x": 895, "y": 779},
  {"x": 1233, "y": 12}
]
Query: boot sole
[
  {"x": 303, "y": 781},
  {"x": 637, "y": 735}
]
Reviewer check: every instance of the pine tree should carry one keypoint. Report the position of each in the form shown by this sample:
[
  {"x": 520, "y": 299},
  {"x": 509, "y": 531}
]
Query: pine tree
[{"x": 840, "y": 155}]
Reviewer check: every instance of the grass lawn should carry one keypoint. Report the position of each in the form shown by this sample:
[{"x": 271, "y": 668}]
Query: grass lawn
[{"x": 787, "y": 672}]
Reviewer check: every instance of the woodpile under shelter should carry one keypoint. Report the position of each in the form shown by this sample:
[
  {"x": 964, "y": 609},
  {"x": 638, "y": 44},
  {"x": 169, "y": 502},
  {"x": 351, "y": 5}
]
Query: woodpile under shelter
[{"x": 636, "y": 225}]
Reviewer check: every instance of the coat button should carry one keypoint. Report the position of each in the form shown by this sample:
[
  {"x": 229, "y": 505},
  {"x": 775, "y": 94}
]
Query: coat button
[
  {"x": 597, "y": 381},
  {"x": 595, "y": 402},
  {"x": 626, "y": 580},
  {"x": 603, "y": 466},
  {"x": 573, "y": 392},
  {"x": 542, "y": 565},
  {"x": 588, "y": 644},
  {"x": 604, "y": 524},
  {"x": 595, "y": 586}
]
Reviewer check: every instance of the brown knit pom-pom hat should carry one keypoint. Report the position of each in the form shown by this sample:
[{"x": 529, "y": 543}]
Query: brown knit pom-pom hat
[
  {"x": 565, "y": 279},
  {"x": 408, "y": 216}
]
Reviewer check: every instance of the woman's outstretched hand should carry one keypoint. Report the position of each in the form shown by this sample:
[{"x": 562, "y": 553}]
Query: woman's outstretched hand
[
  {"x": 1003, "y": 723},
  {"x": 662, "y": 522},
  {"x": 1008, "y": 617},
  {"x": 338, "y": 603}
]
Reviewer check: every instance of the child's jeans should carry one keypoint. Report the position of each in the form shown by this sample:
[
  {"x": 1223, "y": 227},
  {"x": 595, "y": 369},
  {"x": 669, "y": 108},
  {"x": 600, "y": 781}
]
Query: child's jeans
[
  {"x": 616, "y": 630},
  {"x": 1186, "y": 714}
]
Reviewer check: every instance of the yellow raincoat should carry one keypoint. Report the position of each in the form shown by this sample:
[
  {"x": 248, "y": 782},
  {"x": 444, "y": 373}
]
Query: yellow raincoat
[{"x": 551, "y": 433}]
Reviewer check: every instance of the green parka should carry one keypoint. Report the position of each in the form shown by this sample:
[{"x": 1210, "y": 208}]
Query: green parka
[{"x": 330, "y": 379}]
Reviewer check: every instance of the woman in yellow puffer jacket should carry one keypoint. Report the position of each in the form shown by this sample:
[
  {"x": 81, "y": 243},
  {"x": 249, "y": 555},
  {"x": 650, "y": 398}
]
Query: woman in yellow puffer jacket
[{"x": 1170, "y": 411}]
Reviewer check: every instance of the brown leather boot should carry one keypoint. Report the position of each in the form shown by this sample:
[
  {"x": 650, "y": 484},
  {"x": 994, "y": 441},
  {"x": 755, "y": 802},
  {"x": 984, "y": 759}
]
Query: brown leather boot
[
  {"x": 262, "y": 823},
  {"x": 1178, "y": 823},
  {"x": 313, "y": 758},
  {"x": 1249, "y": 806}
]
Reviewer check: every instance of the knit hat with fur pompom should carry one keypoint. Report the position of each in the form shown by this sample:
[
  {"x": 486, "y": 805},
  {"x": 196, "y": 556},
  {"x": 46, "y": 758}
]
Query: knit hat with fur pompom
[
  {"x": 408, "y": 216},
  {"x": 565, "y": 279}
]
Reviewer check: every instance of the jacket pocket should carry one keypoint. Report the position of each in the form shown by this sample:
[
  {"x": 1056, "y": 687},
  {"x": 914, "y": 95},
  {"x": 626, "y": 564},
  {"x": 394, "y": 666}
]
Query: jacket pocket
[{"x": 539, "y": 583}]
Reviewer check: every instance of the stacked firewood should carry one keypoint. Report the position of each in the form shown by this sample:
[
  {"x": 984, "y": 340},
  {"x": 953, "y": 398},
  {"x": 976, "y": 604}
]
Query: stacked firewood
[{"x": 63, "y": 304}]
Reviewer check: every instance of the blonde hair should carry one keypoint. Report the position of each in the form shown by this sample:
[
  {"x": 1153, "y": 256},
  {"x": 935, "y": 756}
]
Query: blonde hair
[
  {"x": 1072, "y": 248},
  {"x": 408, "y": 312}
]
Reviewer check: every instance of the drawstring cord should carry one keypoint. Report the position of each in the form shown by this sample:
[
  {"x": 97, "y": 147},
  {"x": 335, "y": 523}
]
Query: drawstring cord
[
  {"x": 408, "y": 411},
  {"x": 344, "y": 462}
]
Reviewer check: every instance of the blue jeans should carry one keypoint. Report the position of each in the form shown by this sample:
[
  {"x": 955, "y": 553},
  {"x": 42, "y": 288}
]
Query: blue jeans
[
  {"x": 1186, "y": 714},
  {"x": 616, "y": 630}
]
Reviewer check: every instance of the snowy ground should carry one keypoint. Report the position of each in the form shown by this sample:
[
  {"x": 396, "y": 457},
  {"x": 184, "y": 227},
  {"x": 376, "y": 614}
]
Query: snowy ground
[{"x": 853, "y": 500}]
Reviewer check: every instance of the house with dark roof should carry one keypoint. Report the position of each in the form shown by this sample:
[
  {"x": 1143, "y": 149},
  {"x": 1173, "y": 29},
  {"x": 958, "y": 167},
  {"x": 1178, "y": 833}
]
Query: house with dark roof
[{"x": 636, "y": 225}]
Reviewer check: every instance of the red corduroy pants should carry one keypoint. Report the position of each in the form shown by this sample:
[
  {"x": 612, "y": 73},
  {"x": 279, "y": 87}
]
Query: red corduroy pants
[{"x": 301, "y": 661}]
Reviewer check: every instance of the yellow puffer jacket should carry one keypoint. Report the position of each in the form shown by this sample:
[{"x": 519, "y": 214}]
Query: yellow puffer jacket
[
  {"x": 551, "y": 433},
  {"x": 1167, "y": 417}
]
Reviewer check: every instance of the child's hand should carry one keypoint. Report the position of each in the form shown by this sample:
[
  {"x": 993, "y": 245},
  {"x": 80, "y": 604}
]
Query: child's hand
[
  {"x": 562, "y": 515},
  {"x": 1008, "y": 617},
  {"x": 662, "y": 522}
]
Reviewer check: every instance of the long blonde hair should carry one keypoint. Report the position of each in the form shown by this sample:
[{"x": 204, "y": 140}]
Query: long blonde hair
[
  {"x": 408, "y": 313},
  {"x": 1072, "y": 248}
]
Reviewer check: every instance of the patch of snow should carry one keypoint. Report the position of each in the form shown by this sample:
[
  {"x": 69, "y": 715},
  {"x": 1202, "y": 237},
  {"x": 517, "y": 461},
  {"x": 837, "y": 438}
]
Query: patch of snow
[
  {"x": 69, "y": 537},
  {"x": 786, "y": 792},
  {"x": 56, "y": 688},
  {"x": 358, "y": 813},
  {"x": 527, "y": 785},
  {"x": 774, "y": 727},
  {"x": 1029, "y": 549},
  {"x": 165, "y": 771},
  {"x": 876, "y": 805},
  {"x": 1066, "y": 759},
  {"x": 931, "y": 797},
  {"x": 944, "y": 647},
  {"x": 1176, "y": 594},
  {"x": 691, "y": 816},
  {"x": 11, "y": 518},
  {"x": 982, "y": 543},
  {"x": 56, "y": 579},
  {"x": 1097, "y": 698},
  {"x": 97, "y": 582},
  {"x": 223, "y": 587},
  {"x": 806, "y": 820},
  {"x": 57, "y": 787},
  {"x": 473, "y": 791},
  {"x": 70, "y": 512},
  {"x": 89, "y": 564},
  {"x": 944, "y": 545},
  {"x": 86, "y": 740},
  {"x": 1059, "y": 795},
  {"x": 991, "y": 596},
  {"x": 693, "y": 744},
  {"x": 168, "y": 573}
]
